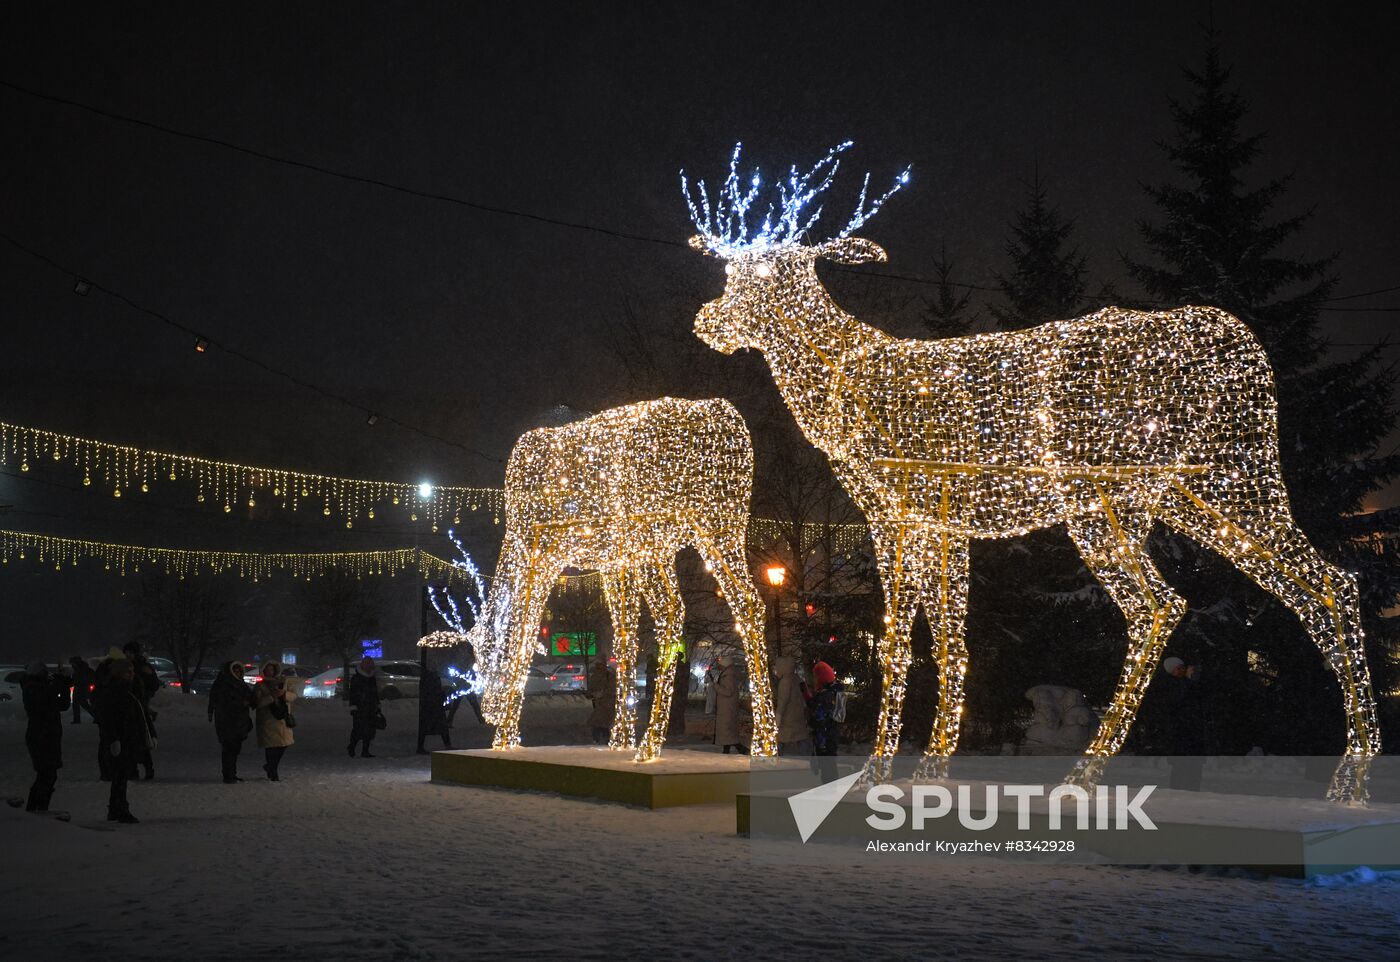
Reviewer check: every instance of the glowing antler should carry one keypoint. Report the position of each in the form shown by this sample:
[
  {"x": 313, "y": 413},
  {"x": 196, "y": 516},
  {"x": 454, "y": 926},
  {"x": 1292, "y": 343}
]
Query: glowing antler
[{"x": 724, "y": 223}]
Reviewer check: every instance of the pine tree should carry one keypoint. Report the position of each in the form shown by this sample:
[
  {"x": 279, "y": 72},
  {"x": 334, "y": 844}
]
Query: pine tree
[
  {"x": 1219, "y": 242},
  {"x": 947, "y": 315},
  {"x": 1046, "y": 282}
]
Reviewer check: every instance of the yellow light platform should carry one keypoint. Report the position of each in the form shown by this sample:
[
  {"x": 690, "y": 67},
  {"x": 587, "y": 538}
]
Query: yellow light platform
[{"x": 679, "y": 777}]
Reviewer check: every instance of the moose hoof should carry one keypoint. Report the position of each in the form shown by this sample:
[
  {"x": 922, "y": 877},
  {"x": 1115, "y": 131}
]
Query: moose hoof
[
  {"x": 876, "y": 770},
  {"x": 1350, "y": 780},
  {"x": 933, "y": 768},
  {"x": 1087, "y": 772}
]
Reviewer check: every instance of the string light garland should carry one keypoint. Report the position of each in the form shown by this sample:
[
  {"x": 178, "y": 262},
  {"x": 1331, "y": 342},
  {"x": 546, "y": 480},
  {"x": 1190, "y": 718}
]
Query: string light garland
[
  {"x": 29, "y": 446},
  {"x": 120, "y": 470},
  {"x": 61, "y": 553},
  {"x": 621, "y": 493},
  {"x": 1106, "y": 424}
]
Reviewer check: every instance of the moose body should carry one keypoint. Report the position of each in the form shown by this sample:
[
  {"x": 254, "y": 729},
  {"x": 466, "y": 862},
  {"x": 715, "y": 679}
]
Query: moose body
[
  {"x": 622, "y": 492},
  {"x": 1106, "y": 424},
  {"x": 995, "y": 435}
]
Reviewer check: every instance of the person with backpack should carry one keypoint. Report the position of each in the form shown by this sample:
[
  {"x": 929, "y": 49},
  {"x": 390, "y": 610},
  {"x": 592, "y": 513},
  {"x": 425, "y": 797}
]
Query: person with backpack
[
  {"x": 230, "y": 700},
  {"x": 825, "y": 714}
]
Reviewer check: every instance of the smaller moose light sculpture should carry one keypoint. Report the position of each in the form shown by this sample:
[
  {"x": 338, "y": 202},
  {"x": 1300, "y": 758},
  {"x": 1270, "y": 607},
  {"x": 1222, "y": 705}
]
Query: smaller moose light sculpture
[
  {"x": 622, "y": 492},
  {"x": 1105, "y": 424}
]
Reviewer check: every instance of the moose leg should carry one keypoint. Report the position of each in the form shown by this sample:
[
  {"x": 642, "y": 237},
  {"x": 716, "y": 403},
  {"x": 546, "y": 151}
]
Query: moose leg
[
  {"x": 1323, "y": 596},
  {"x": 663, "y": 597},
  {"x": 511, "y": 699},
  {"x": 900, "y": 561},
  {"x": 945, "y": 603},
  {"x": 624, "y": 605},
  {"x": 726, "y": 558},
  {"x": 1113, "y": 548}
]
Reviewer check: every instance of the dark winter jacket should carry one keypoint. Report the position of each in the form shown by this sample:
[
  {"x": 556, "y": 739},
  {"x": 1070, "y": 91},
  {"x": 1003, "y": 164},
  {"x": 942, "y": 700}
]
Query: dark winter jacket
[
  {"x": 230, "y": 701},
  {"x": 822, "y": 714},
  {"x": 122, "y": 720},
  {"x": 84, "y": 678},
  {"x": 146, "y": 683},
  {"x": 364, "y": 694},
  {"x": 432, "y": 713},
  {"x": 45, "y": 701},
  {"x": 1181, "y": 716}
]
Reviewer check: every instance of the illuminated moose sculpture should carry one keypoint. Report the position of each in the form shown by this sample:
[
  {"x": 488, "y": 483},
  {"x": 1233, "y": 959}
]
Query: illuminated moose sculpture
[
  {"x": 1104, "y": 424},
  {"x": 622, "y": 492}
]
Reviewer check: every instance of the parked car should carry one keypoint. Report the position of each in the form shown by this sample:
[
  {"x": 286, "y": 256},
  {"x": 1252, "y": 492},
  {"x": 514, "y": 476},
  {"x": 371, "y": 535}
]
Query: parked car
[
  {"x": 324, "y": 685},
  {"x": 11, "y": 678},
  {"x": 538, "y": 682},
  {"x": 568, "y": 676},
  {"x": 202, "y": 680},
  {"x": 397, "y": 679}
]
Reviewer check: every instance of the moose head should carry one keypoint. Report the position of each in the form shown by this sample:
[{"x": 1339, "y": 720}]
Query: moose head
[{"x": 774, "y": 262}]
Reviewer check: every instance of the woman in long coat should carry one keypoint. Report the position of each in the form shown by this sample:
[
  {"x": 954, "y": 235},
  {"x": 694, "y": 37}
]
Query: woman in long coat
[
  {"x": 602, "y": 690},
  {"x": 790, "y": 705},
  {"x": 432, "y": 712},
  {"x": 364, "y": 707},
  {"x": 273, "y": 700},
  {"x": 727, "y": 707},
  {"x": 230, "y": 701}
]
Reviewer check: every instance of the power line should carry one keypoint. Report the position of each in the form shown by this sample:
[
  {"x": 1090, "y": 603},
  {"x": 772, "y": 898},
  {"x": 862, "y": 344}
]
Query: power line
[
  {"x": 414, "y": 191},
  {"x": 206, "y": 343},
  {"x": 1352, "y": 297}
]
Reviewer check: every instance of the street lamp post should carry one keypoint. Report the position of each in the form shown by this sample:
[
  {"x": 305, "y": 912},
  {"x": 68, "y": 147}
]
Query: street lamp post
[{"x": 776, "y": 575}]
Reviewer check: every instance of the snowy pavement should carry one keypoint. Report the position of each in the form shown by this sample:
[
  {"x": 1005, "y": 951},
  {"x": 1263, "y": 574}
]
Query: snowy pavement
[{"x": 354, "y": 859}]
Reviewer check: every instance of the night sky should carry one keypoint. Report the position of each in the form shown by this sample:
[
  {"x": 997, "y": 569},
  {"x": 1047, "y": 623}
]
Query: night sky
[{"x": 471, "y": 324}]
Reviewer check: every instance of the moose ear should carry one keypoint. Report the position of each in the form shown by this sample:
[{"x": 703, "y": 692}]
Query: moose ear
[
  {"x": 697, "y": 243},
  {"x": 852, "y": 250}
]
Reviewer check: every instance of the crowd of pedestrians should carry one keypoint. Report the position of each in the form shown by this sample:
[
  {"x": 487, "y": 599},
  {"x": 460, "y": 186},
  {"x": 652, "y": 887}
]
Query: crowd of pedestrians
[{"x": 117, "y": 695}]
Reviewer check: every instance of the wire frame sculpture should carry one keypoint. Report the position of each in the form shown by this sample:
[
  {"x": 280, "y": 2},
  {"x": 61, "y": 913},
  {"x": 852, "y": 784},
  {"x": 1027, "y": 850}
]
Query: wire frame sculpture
[
  {"x": 1106, "y": 424},
  {"x": 621, "y": 493}
]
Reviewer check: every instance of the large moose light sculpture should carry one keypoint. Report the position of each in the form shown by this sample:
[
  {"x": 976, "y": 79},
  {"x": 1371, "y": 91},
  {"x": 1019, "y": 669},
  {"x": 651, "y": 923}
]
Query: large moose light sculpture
[
  {"x": 622, "y": 492},
  {"x": 1105, "y": 424}
]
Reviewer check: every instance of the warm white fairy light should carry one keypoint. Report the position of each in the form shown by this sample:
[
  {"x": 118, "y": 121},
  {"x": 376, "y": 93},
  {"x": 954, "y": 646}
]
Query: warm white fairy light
[
  {"x": 120, "y": 469},
  {"x": 1105, "y": 424},
  {"x": 121, "y": 559},
  {"x": 621, "y": 493}
]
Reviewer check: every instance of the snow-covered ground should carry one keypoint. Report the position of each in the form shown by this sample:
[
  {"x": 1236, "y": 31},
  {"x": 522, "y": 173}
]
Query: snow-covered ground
[{"x": 365, "y": 859}]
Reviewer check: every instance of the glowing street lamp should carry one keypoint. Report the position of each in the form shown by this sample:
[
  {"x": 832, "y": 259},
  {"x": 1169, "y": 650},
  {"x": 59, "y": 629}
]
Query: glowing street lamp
[{"x": 776, "y": 575}]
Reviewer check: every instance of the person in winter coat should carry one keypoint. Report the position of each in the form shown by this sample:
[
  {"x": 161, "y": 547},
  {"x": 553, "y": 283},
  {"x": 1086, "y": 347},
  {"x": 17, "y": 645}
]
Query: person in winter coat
[
  {"x": 272, "y": 700},
  {"x": 1181, "y": 709},
  {"x": 124, "y": 731},
  {"x": 790, "y": 706},
  {"x": 727, "y": 707},
  {"x": 45, "y": 701},
  {"x": 825, "y": 714},
  {"x": 364, "y": 708},
  {"x": 432, "y": 713},
  {"x": 84, "y": 683},
  {"x": 230, "y": 701},
  {"x": 144, "y": 687},
  {"x": 468, "y": 661},
  {"x": 602, "y": 691}
]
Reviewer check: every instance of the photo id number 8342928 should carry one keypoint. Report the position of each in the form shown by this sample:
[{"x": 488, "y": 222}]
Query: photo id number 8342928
[{"x": 1040, "y": 845}]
